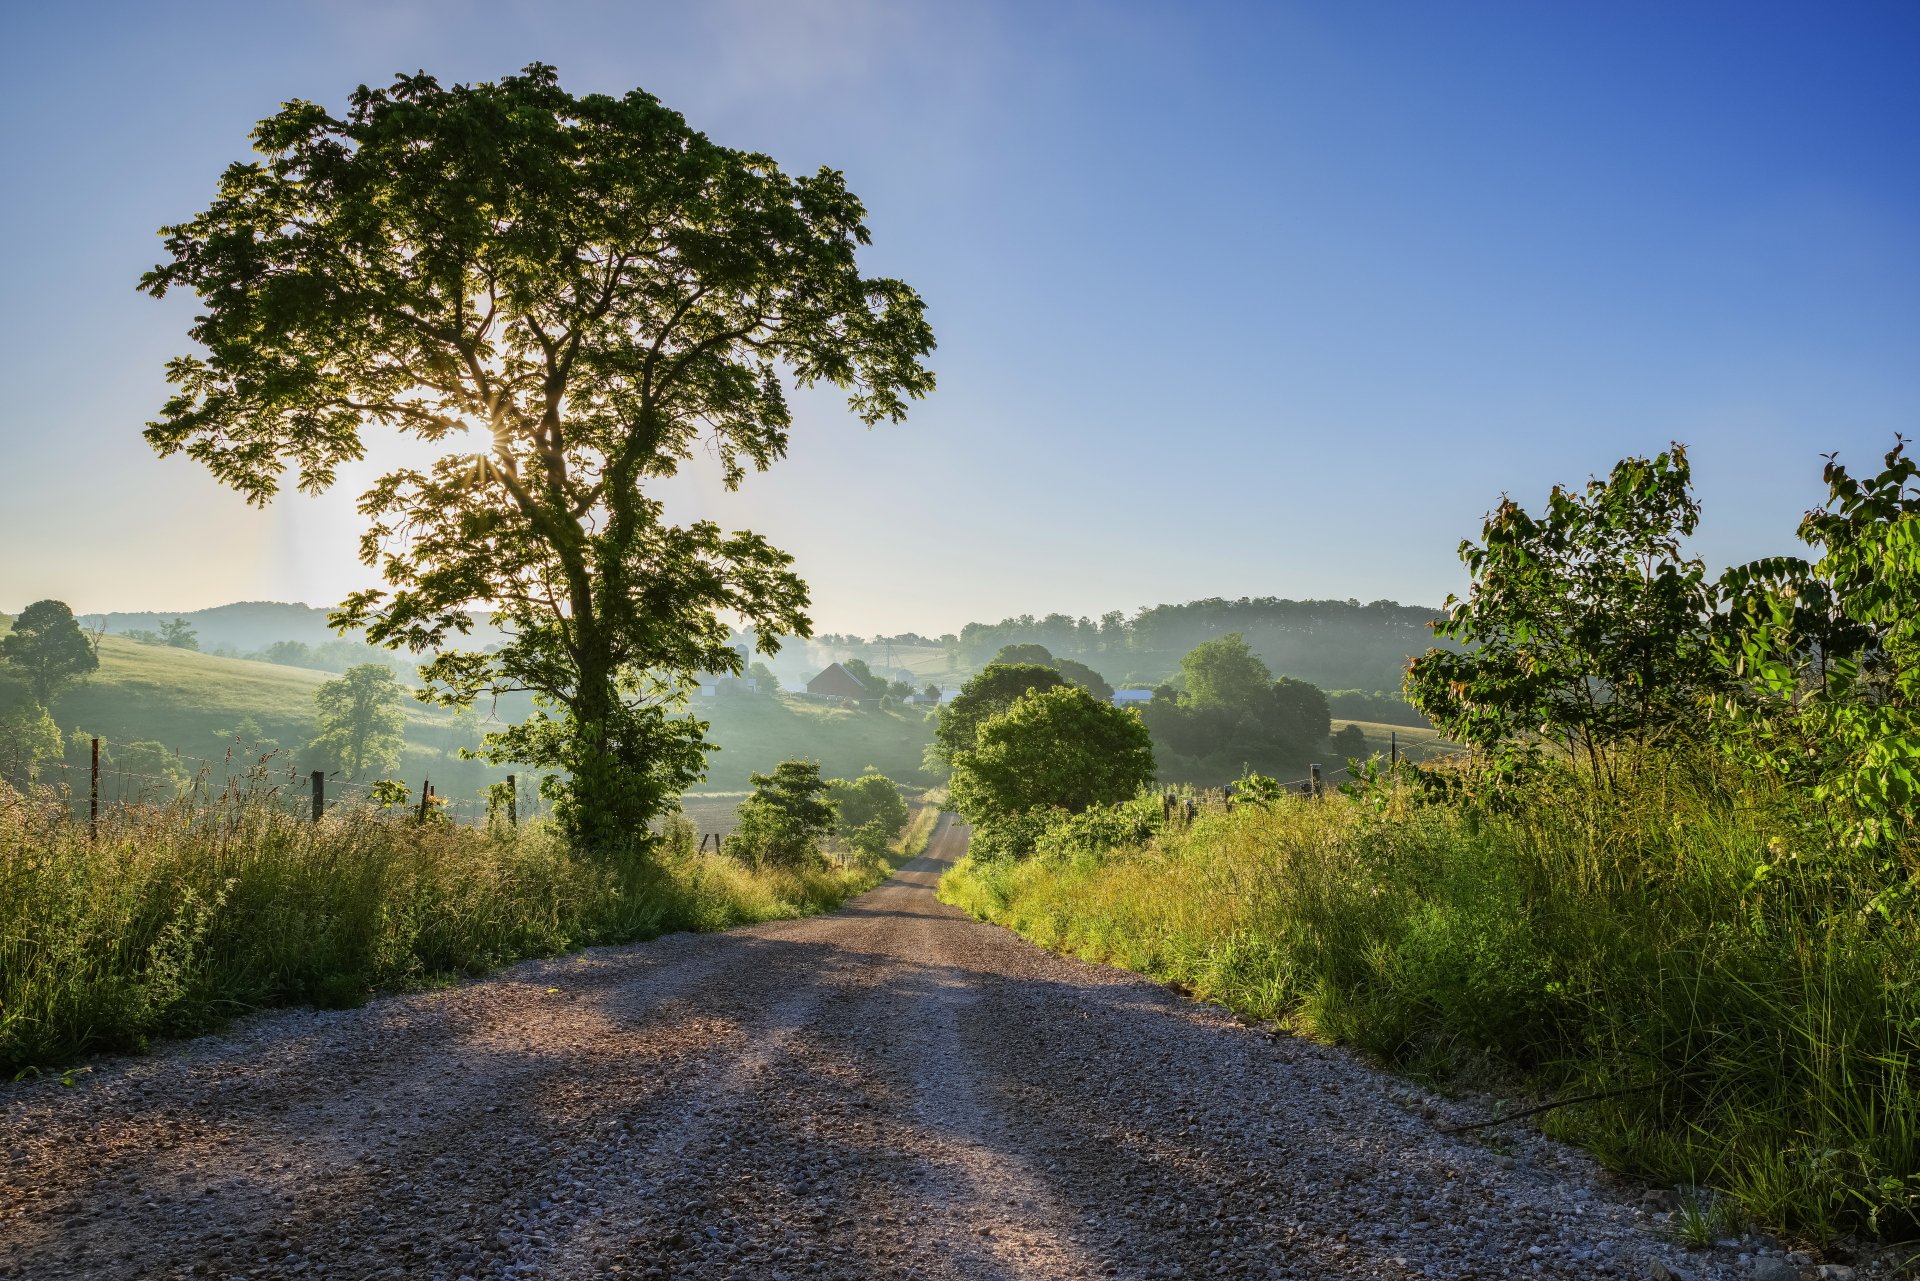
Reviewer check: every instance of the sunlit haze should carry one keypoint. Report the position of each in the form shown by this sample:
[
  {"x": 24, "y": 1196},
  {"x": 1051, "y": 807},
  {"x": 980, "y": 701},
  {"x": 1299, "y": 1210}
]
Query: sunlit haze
[{"x": 1231, "y": 300}]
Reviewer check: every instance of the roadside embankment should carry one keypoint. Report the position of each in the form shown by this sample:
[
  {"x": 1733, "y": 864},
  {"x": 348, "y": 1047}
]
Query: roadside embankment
[
  {"x": 1741, "y": 999},
  {"x": 177, "y": 918}
]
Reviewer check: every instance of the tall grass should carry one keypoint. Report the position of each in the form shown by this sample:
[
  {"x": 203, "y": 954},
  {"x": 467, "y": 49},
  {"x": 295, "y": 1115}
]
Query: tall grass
[
  {"x": 180, "y": 916},
  {"x": 1743, "y": 991}
]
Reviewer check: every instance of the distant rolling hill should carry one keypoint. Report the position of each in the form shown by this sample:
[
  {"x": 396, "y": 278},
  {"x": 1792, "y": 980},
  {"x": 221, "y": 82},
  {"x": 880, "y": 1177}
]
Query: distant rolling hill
[
  {"x": 254, "y": 625},
  {"x": 191, "y": 702}
]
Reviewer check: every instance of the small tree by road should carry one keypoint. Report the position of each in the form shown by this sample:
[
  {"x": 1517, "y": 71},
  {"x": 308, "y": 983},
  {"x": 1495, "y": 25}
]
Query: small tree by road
[
  {"x": 786, "y": 818},
  {"x": 868, "y": 812},
  {"x": 1586, "y": 625}
]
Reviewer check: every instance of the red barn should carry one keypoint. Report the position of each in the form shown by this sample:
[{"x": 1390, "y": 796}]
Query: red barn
[{"x": 838, "y": 682}]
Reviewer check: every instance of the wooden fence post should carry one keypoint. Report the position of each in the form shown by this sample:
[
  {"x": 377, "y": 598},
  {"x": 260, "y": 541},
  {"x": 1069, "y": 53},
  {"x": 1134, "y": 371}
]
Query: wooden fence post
[
  {"x": 426, "y": 794},
  {"x": 319, "y": 794},
  {"x": 1313, "y": 780},
  {"x": 1394, "y": 747},
  {"x": 513, "y": 804},
  {"x": 93, "y": 794}
]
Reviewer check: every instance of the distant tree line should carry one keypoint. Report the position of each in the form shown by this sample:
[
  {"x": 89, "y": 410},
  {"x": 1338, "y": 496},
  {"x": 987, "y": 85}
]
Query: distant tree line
[
  {"x": 1030, "y": 738},
  {"x": 1382, "y": 706},
  {"x": 1329, "y": 643},
  {"x": 329, "y": 656},
  {"x": 1228, "y": 715}
]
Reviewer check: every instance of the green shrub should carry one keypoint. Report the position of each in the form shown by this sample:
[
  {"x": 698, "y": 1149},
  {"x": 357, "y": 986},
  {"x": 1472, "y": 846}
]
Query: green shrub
[
  {"x": 1102, "y": 828},
  {"x": 784, "y": 821}
]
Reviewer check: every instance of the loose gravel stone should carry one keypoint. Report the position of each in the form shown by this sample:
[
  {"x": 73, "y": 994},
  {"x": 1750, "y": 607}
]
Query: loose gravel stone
[{"x": 890, "y": 1090}]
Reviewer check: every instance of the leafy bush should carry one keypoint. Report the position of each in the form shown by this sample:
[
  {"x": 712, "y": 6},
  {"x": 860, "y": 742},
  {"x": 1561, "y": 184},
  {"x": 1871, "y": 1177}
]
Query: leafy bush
[
  {"x": 1585, "y": 626},
  {"x": 868, "y": 813},
  {"x": 1053, "y": 749},
  {"x": 784, "y": 821},
  {"x": 1348, "y": 743},
  {"x": 1828, "y": 654},
  {"x": 27, "y": 736},
  {"x": 871, "y": 798},
  {"x": 1100, "y": 829}
]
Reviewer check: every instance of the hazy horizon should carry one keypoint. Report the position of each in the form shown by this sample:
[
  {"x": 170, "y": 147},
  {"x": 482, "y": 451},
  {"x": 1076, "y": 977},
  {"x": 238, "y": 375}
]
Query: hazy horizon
[
  {"x": 821, "y": 627},
  {"x": 1248, "y": 300}
]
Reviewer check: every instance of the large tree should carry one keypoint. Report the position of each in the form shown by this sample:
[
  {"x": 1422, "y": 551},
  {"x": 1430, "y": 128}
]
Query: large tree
[
  {"x": 1224, "y": 672},
  {"x": 47, "y": 647},
  {"x": 597, "y": 291}
]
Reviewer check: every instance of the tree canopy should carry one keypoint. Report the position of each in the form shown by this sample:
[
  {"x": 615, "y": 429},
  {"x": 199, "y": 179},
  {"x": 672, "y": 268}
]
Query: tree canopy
[
  {"x": 1076, "y": 672},
  {"x": 869, "y": 812},
  {"x": 1054, "y": 749},
  {"x": 990, "y": 692},
  {"x": 571, "y": 295},
  {"x": 1233, "y": 715},
  {"x": 1335, "y": 644},
  {"x": 47, "y": 647},
  {"x": 1224, "y": 672},
  {"x": 1823, "y": 656},
  {"x": 1586, "y": 624}
]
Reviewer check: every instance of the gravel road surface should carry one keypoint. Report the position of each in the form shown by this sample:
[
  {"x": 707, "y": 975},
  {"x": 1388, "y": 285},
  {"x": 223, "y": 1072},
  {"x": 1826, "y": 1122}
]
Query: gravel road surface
[{"x": 891, "y": 1090}]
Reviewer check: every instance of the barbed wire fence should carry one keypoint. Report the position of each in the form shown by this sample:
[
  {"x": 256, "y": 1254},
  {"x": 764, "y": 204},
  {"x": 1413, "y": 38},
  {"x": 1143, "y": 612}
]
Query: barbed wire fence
[
  {"x": 1191, "y": 801},
  {"x": 100, "y": 787}
]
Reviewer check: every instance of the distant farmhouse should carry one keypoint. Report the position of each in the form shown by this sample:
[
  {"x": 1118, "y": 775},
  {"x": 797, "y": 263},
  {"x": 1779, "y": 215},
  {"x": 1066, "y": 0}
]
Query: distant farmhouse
[
  {"x": 712, "y": 686},
  {"x": 837, "y": 682}
]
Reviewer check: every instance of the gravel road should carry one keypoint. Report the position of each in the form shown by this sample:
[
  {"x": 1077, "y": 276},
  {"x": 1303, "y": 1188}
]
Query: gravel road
[{"x": 892, "y": 1090}]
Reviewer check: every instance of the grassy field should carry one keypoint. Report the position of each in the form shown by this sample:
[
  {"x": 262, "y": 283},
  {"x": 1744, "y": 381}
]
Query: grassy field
[
  {"x": 192, "y": 701},
  {"x": 1744, "y": 998},
  {"x": 756, "y": 733},
  {"x": 1415, "y": 742},
  {"x": 189, "y": 700}
]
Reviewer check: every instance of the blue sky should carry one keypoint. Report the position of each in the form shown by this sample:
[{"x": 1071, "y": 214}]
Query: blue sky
[{"x": 1231, "y": 299}]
